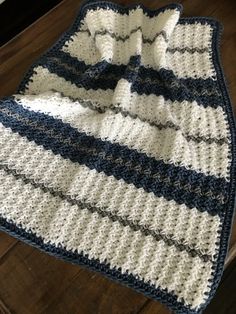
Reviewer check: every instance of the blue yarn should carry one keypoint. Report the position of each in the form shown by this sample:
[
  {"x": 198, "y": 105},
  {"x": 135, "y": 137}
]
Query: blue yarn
[
  {"x": 97, "y": 77},
  {"x": 120, "y": 171}
]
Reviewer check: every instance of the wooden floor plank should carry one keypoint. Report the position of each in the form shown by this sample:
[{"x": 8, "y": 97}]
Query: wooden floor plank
[
  {"x": 50, "y": 286},
  {"x": 152, "y": 307},
  {"x": 6, "y": 243},
  {"x": 3, "y": 308},
  {"x": 91, "y": 293},
  {"x": 32, "y": 276}
]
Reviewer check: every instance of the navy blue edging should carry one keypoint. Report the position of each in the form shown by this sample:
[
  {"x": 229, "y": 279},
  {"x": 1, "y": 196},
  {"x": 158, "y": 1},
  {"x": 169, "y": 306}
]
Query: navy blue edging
[{"x": 217, "y": 270}]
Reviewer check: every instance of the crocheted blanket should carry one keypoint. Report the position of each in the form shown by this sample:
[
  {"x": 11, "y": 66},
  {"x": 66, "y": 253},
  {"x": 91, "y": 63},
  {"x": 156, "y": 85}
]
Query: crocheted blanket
[{"x": 118, "y": 152}]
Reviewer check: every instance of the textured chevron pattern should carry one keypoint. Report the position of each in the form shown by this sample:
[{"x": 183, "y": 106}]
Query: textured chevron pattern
[{"x": 117, "y": 152}]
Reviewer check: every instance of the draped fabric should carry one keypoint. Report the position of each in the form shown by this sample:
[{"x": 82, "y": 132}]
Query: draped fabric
[{"x": 117, "y": 152}]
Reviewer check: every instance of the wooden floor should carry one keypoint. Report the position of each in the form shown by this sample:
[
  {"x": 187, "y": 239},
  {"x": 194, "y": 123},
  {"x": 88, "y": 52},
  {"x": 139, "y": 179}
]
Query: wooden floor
[{"x": 32, "y": 282}]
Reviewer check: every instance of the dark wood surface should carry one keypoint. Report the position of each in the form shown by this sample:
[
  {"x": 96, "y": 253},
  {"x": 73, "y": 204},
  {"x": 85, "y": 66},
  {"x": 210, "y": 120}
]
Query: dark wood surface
[
  {"x": 25, "y": 13},
  {"x": 32, "y": 282}
]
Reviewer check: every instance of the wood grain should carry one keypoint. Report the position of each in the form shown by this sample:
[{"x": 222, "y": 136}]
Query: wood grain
[{"x": 33, "y": 282}]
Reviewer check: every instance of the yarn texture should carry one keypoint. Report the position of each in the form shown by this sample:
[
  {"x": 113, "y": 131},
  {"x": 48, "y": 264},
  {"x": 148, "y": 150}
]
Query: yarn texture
[{"x": 117, "y": 152}]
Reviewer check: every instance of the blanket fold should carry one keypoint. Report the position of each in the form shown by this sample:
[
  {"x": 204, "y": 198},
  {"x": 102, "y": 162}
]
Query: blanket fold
[{"x": 117, "y": 152}]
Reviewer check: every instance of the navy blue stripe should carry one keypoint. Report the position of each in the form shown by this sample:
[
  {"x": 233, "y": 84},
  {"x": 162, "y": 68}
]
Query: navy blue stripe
[
  {"x": 77, "y": 72},
  {"x": 104, "y": 75},
  {"x": 134, "y": 167}
]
